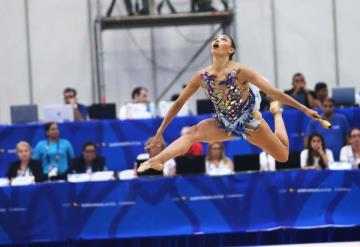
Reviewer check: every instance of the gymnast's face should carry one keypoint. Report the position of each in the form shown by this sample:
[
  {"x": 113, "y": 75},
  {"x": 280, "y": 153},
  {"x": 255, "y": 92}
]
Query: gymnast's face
[{"x": 222, "y": 45}]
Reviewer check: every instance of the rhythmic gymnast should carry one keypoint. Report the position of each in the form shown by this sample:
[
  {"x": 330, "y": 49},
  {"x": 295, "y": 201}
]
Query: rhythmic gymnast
[{"x": 233, "y": 88}]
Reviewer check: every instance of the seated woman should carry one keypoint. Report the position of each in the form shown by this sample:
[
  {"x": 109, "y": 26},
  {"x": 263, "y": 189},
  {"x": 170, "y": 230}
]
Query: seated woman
[
  {"x": 88, "y": 162},
  {"x": 351, "y": 152},
  {"x": 216, "y": 161},
  {"x": 53, "y": 152},
  {"x": 317, "y": 156},
  {"x": 25, "y": 166}
]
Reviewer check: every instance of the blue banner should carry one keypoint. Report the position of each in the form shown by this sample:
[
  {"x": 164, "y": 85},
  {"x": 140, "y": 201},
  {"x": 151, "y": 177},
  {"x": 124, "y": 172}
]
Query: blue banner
[
  {"x": 121, "y": 141},
  {"x": 179, "y": 206}
]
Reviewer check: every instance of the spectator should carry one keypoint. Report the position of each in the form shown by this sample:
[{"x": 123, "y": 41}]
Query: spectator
[
  {"x": 25, "y": 166},
  {"x": 202, "y": 5},
  {"x": 299, "y": 91},
  {"x": 143, "y": 11},
  {"x": 316, "y": 156},
  {"x": 321, "y": 93},
  {"x": 140, "y": 107},
  {"x": 351, "y": 153},
  {"x": 89, "y": 161},
  {"x": 169, "y": 166},
  {"x": 334, "y": 137},
  {"x": 80, "y": 110},
  {"x": 54, "y": 153},
  {"x": 176, "y": 95},
  {"x": 216, "y": 162},
  {"x": 140, "y": 95},
  {"x": 267, "y": 162},
  {"x": 164, "y": 106},
  {"x": 196, "y": 149}
]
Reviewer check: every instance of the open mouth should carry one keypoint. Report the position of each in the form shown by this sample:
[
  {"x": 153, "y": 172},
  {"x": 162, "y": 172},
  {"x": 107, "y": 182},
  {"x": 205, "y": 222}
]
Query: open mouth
[{"x": 216, "y": 45}]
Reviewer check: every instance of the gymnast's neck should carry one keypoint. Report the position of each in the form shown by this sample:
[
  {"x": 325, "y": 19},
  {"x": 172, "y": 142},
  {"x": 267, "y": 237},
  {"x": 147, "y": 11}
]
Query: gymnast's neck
[{"x": 219, "y": 63}]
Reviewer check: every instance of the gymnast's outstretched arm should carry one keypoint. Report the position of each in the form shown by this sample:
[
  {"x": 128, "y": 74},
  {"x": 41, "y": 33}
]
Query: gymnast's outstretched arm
[
  {"x": 276, "y": 94},
  {"x": 192, "y": 86}
]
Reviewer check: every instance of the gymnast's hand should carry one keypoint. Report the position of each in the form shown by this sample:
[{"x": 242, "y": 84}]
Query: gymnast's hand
[
  {"x": 312, "y": 114},
  {"x": 157, "y": 141}
]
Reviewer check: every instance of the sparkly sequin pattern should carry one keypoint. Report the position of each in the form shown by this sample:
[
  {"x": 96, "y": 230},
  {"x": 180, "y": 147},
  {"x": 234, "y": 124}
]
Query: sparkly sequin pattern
[{"x": 232, "y": 110}]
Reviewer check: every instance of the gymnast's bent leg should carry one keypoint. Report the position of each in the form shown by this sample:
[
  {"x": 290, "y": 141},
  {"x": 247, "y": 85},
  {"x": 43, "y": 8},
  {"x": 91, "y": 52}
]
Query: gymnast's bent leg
[{"x": 276, "y": 144}]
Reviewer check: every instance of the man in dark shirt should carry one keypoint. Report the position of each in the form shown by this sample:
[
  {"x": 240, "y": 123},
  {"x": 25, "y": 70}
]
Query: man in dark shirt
[
  {"x": 321, "y": 93},
  {"x": 299, "y": 91}
]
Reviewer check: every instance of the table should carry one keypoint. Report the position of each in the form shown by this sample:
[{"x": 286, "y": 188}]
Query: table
[{"x": 167, "y": 206}]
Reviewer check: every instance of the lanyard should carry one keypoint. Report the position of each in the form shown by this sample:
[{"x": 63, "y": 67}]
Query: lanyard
[{"x": 57, "y": 156}]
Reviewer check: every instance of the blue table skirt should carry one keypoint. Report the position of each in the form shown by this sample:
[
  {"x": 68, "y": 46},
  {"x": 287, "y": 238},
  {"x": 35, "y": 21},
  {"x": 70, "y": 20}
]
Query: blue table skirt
[{"x": 148, "y": 207}]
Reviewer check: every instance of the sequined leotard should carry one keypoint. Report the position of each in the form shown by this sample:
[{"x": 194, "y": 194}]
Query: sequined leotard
[{"x": 233, "y": 109}]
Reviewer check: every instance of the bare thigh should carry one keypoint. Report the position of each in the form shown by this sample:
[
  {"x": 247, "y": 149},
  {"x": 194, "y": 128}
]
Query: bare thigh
[
  {"x": 264, "y": 138},
  {"x": 209, "y": 130}
]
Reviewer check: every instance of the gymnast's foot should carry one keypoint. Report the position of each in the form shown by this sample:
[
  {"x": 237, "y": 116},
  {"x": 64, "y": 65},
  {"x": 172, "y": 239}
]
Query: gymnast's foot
[
  {"x": 275, "y": 107},
  {"x": 151, "y": 163}
]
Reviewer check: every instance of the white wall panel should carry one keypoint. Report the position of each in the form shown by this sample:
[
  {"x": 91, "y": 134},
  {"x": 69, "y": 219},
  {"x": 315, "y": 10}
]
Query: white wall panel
[
  {"x": 305, "y": 41},
  {"x": 13, "y": 58},
  {"x": 254, "y": 36},
  {"x": 348, "y": 20},
  {"x": 60, "y": 49}
]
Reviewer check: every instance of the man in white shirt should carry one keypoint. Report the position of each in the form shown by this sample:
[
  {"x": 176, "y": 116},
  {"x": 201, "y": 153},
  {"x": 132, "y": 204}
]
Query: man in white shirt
[
  {"x": 351, "y": 153},
  {"x": 139, "y": 107}
]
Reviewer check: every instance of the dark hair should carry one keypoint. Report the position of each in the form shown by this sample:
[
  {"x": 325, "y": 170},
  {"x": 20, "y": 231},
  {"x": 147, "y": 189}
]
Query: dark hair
[
  {"x": 328, "y": 99},
  {"x": 70, "y": 90},
  {"x": 137, "y": 91},
  {"x": 88, "y": 143},
  {"x": 310, "y": 158},
  {"x": 47, "y": 126},
  {"x": 320, "y": 85},
  {"x": 233, "y": 46},
  {"x": 355, "y": 128},
  {"x": 297, "y": 74}
]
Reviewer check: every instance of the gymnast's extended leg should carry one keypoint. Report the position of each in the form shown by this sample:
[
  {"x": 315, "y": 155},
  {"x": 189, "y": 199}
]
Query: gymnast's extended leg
[{"x": 206, "y": 131}]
